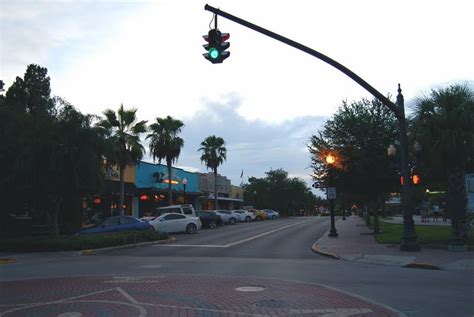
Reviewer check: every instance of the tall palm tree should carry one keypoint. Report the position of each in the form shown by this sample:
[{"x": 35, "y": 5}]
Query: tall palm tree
[
  {"x": 165, "y": 144},
  {"x": 213, "y": 154},
  {"x": 444, "y": 125},
  {"x": 122, "y": 131}
]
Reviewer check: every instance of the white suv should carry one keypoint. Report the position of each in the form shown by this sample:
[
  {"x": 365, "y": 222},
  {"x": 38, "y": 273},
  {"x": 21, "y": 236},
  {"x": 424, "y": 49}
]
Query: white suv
[{"x": 187, "y": 210}]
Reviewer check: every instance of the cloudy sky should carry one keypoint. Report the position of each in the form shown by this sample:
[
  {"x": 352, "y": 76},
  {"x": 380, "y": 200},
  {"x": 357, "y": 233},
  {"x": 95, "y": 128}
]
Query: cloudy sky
[{"x": 267, "y": 98}]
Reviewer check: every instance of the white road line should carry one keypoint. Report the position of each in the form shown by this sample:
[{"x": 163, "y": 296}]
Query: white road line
[
  {"x": 127, "y": 296},
  {"x": 191, "y": 245},
  {"x": 265, "y": 233},
  {"x": 232, "y": 243}
]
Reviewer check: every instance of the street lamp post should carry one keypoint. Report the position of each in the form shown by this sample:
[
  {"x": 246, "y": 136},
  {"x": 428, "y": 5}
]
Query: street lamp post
[
  {"x": 255, "y": 198},
  {"x": 330, "y": 160},
  {"x": 185, "y": 182}
]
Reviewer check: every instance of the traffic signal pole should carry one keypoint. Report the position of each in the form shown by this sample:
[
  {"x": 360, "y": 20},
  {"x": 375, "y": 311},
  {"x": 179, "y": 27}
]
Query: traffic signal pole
[{"x": 408, "y": 241}]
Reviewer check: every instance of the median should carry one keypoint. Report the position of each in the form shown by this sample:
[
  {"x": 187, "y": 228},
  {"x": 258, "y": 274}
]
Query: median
[{"x": 78, "y": 242}]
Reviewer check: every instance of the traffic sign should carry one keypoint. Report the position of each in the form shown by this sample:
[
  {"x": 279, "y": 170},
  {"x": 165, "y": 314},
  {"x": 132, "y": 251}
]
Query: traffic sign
[{"x": 331, "y": 192}]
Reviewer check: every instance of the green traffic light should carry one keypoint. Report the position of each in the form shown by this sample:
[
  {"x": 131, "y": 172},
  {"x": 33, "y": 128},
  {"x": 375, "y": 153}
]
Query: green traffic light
[{"x": 213, "y": 53}]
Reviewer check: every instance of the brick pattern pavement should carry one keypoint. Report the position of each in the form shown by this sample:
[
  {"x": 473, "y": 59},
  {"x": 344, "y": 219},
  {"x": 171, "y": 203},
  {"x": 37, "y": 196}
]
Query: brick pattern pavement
[
  {"x": 355, "y": 241},
  {"x": 178, "y": 295}
]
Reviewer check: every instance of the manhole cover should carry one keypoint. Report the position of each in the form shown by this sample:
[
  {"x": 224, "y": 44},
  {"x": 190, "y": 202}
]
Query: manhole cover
[
  {"x": 249, "y": 289},
  {"x": 272, "y": 303}
]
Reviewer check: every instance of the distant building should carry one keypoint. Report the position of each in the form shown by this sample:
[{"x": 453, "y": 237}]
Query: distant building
[{"x": 224, "y": 193}]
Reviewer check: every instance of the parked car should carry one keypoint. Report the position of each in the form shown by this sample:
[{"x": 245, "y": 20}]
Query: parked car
[
  {"x": 259, "y": 215},
  {"x": 176, "y": 222},
  {"x": 186, "y": 209},
  {"x": 118, "y": 223},
  {"x": 228, "y": 216},
  {"x": 244, "y": 215},
  {"x": 272, "y": 214},
  {"x": 209, "y": 219}
]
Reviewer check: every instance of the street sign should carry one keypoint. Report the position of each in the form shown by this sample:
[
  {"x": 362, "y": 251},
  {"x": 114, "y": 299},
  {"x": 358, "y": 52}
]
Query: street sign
[{"x": 331, "y": 193}]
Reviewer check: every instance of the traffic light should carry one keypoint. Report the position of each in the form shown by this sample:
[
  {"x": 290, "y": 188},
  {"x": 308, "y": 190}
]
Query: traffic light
[
  {"x": 415, "y": 177},
  {"x": 216, "y": 46}
]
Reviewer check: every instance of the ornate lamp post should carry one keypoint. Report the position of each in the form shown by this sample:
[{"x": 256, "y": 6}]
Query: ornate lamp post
[
  {"x": 185, "y": 182},
  {"x": 330, "y": 160}
]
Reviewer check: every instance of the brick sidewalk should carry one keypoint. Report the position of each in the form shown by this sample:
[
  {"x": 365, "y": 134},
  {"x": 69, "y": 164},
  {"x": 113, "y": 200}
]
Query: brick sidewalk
[
  {"x": 355, "y": 242},
  {"x": 180, "y": 295}
]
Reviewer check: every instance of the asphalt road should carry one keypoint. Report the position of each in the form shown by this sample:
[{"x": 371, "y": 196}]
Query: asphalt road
[
  {"x": 277, "y": 250},
  {"x": 273, "y": 239}
]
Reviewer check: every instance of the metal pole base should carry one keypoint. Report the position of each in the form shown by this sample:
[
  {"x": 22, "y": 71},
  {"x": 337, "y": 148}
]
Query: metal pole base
[
  {"x": 333, "y": 233},
  {"x": 409, "y": 245}
]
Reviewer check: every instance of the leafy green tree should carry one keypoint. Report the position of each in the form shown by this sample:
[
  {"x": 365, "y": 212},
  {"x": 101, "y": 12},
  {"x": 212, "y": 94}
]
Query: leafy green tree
[
  {"x": 213, "y": 154},
  {"x": 279, "y": 192},
  {"x": 74, "y": 168},
  {"x": 31, "y": 94},
  {"x": 358, "y": 136},
  {"x": 443, "y": 124},
  {"x": 122, "y": 131},
  {"x": 27, "y": 120},
  {"x": 166, "y": 144},
  {"x": 49, "y": 154}
]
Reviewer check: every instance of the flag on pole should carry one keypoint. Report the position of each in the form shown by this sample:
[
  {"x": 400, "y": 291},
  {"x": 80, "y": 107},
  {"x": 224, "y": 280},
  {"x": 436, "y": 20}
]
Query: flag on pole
[{"x": 242, "y": 174}]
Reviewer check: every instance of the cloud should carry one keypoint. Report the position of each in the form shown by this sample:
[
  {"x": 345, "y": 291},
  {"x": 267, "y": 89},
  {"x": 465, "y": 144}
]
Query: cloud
[{"x": 252, "y": 145}]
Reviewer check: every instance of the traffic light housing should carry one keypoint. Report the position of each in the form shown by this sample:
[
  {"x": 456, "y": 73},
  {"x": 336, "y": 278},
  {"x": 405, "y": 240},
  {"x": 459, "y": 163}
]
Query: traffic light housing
[
  {"x": 415, "y": 177},
  {"x": 216, "y": 46}
]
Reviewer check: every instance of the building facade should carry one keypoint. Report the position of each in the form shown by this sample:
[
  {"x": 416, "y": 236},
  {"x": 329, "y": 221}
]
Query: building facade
[
  {"x": 225, "y": 200},
  {"x": 146, "y": 188}
]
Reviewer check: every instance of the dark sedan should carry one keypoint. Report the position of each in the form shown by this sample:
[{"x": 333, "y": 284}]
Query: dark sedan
[
  {"x": 118, "y": 223},
  {"x": 209, "y": 219}
]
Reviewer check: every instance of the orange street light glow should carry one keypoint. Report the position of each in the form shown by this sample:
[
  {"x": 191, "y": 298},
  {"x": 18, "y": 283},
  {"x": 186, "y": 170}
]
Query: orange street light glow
[{"x": 330, "y": 159}]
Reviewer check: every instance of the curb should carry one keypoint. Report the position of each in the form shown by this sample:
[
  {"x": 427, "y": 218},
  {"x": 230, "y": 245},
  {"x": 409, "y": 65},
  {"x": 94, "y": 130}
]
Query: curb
[
  {"x": 315, "y": 248},
  {"x": 425, "y": 266},
  {"x": 7, "y": 261},
  {"x": 126, "y": 246}
]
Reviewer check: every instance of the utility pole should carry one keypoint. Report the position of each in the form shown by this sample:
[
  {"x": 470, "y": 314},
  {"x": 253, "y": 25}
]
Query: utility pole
[{"x": 409, "y": 239}]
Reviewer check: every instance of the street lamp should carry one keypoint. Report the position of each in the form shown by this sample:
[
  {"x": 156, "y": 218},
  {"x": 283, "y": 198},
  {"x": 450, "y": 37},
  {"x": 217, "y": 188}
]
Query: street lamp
[
  {"x": 330, "y": 160},
  {"x": 185, "y": 182},
  {"x": 255, "y": 198}
]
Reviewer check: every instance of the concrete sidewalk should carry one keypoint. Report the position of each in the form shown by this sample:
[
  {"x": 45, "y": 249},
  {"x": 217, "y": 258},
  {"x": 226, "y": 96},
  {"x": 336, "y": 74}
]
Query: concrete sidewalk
[{"x": 356, "y": 243}]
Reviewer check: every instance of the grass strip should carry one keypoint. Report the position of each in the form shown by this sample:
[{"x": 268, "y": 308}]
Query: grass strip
[{"x": 435, "y": 235}]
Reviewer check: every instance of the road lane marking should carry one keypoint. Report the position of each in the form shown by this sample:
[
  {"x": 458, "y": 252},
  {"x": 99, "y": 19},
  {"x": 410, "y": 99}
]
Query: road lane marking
[
  {"x": 232, "y": 243},
  {"x": 264, "y": 234},
  {"x": 191, "y": 245}
]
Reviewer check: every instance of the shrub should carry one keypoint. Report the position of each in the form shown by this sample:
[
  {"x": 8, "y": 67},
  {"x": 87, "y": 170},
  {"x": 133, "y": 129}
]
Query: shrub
[{"x": 78, "y": 242}]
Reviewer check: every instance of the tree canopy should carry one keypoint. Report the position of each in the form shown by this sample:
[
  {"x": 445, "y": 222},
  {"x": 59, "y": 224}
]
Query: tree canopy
[
  {"x": 358, "y": 135},
  {"x": 279, "y": 192}
]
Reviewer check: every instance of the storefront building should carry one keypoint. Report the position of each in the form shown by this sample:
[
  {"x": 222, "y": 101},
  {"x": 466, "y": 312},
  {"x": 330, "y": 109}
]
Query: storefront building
[
  {"x": 152, "y": 184},
  {"x": 225, "y": 195}
]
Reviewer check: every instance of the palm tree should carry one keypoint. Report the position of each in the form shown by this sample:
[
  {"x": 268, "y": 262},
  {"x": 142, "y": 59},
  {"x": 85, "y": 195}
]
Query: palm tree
[
  {"x": 444, "y": 125},
  {"x": 213, "y": 155},
  {"x": 165, "y": 144},
  {"x": 122, "y": 132}
]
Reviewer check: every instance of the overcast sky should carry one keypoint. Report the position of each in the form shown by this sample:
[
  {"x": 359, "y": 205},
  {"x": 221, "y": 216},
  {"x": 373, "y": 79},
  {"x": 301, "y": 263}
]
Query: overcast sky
[{"x": 266, "y": 99}]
